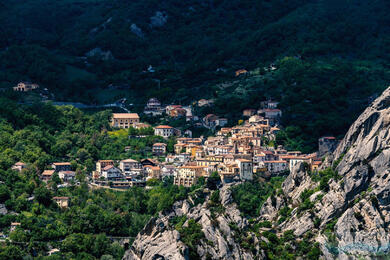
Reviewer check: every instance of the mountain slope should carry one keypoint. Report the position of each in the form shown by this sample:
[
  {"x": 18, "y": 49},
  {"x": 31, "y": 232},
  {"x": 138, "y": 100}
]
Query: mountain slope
[
  {"x": 342, "y": 211},
  {"x": 328, "y": 63}
]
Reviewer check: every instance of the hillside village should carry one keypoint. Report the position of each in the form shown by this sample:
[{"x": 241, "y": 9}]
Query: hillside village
[{"x": 239, "y": 153}]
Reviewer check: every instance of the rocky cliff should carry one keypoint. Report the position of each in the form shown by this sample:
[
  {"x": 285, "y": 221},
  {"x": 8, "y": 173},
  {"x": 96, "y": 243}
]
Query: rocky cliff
[
  {"x": 344, "y": 209},
  {"x": 349, "y": 203},
  {"x": 160, "y": 239}
]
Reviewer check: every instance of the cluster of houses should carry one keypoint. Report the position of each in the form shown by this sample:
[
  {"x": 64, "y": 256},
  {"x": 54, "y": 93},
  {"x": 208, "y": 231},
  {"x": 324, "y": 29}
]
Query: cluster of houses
[
  {"x": 210, "y": 121},
  {"x": 155, "y": 108},
  {"x": 236, "y": 153},
  {"x": 268, "y": 109},
  {"x": 64, "y": 171}
]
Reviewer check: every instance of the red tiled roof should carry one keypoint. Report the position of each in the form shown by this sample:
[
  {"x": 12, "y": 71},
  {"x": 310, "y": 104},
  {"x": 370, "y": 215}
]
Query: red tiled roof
[
  {"x": 108, "y": 167},
  {"x": 125, "y": 115},
  {"x": 329, "y": 137},
  {"x": 48, "y": 172},
  {"x": 272, "y": 110},
  {"x": 61, "y": 163},
  {"x": 163, "y": 127},
  {"x": 60, "y": 198}
]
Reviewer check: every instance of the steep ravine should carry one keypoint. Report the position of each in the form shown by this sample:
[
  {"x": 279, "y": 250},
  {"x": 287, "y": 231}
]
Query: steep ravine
[{"x": 344, "y": 209}]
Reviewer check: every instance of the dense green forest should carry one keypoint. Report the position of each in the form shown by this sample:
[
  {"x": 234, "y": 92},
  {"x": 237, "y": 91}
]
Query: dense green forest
[{"x": 332, "y": 57}]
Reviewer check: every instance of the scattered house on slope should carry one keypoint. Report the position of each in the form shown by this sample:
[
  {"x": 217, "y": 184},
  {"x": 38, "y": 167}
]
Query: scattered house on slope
[
  {"x": 249, "y": 112},
  {"x": 241, "y": 72},
  {"x": 210, "y": 119},
  {"x": 153, "y": 107},
  {"x": 103, "y": 163},
  {"x": 159, "y": 149},
  {"x": 62, "y": 202},
  {"x": 148, "y": 161},
  {"x": 110, "y": 172},
  {"x": 205, "y": 102},
  {"x": 141, "y": 125},
  {"x": 213, "y": 121},
  {"x": 19, "y": 166},
  {"x": 67, "y": 176},
  {"x": 164, "y": 130},
  {"x": 14, "y": 225},
  {"x": 46, "y": 175},
  {"x": 178, "y": 112},
  {"x": 269, "y": 104},
  {"x": 25, "y": 87},
  {"x": 62, "y": 166},
  {"x": 271, "y": 113},
  {"x": 124, "y": 120},
  {"x": 130, "y": 166},
  {"x": 315, "y": 165}
]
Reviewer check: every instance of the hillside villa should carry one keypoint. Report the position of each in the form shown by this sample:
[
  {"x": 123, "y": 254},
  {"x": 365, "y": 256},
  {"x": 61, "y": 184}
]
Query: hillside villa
[
  {"x": 124, "y": 120},
  {"x": 25, "y": 87}
]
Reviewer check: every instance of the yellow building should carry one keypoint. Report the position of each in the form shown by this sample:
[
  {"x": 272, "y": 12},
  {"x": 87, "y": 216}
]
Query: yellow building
[
  {"x": 188, "y": 175},
  {"x": 124, "y": 120}
]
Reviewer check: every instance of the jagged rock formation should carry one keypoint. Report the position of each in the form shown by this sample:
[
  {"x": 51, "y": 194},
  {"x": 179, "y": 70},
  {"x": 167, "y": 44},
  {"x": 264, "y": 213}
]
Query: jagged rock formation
[
  {"x": 357, "y": 202},
  {"x": 160, "y": 240},
  {"x": 348, "y": 214}
]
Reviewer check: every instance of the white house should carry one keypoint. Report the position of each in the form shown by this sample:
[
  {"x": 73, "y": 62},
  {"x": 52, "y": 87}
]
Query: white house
[
  {"x": 129, "y": 166},
  {"x": 164, "y": 131},
  {"x": 67, "y": 175},
  {"x": 110, "y": 172}
]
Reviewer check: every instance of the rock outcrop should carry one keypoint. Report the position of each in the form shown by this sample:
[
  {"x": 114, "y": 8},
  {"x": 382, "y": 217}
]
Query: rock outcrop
[
  {"x": 353, "y": 215},
  {"x": 160, "y": 240},
  {"x": 157, "y": 241}
]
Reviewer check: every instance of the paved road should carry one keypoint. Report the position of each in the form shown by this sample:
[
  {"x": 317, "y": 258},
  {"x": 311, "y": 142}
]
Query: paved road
[{"x": 119, "y": 104}]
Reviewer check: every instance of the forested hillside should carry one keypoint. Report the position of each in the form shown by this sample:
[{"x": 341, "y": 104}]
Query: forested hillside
[
  {"x": 41, "y": 134},
  {"x": 330, "y": 55}
]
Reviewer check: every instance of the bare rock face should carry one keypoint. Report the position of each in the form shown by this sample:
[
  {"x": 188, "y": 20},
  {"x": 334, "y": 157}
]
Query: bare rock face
[
  {"x": 158, "y": 240},
  {"x": 270, "y": 209},
  {"x": 161, "y": 242},
  {"x": 358, "y": 202},
  {"x": 361, "y": 229},
  {"x": 297, "y": 181}
]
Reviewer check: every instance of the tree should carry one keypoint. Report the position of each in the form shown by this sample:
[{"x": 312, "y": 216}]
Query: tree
[
  {"x": 43, "y": 195},
  {"x": 213, "y": 181},
  {"x": 11, "y": 252},
  {"x": 4, "y": 193}
]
